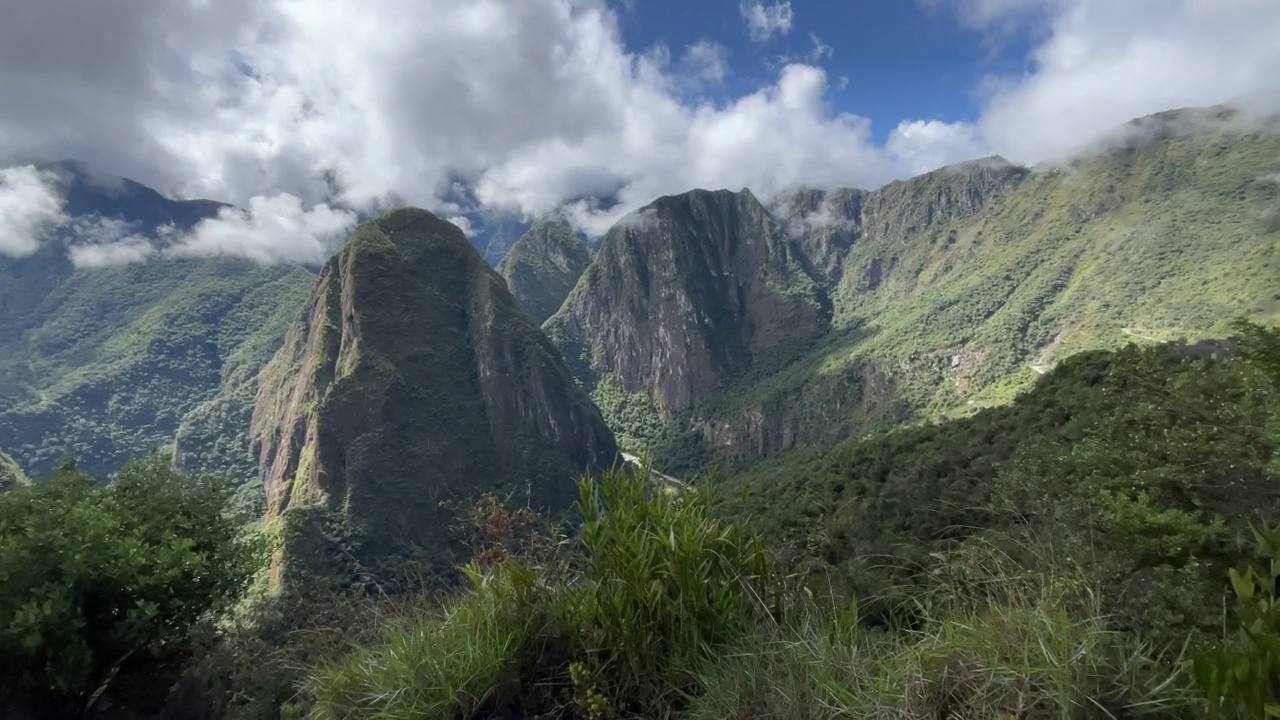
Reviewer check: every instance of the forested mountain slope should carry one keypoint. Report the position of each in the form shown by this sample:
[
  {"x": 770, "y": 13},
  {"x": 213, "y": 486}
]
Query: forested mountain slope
[
  {"x": 945, "y": 292},
  {"x": 104, "y": 362},
  {"x": 543, "y": 266}
]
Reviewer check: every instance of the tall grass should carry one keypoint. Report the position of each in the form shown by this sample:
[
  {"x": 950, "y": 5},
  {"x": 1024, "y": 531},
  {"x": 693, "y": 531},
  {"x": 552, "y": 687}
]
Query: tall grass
[
  {"x": 654, "y": 589},
  {"x": 664, "y": 587},
  {"x": 464, "y": 660},
  {"x": 994, "y": 640},
  {"x": 665, "y": 611}
]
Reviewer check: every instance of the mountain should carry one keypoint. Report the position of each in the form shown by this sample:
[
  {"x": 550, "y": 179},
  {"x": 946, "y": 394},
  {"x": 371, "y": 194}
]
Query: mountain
[
  {"x": 543, "y": 266},
  {"x": 10, "y": 474},
  {"x": 411, "y": 380},
  {"x": 106, "y": 362},
  {"x": 89, "y": 192},
  {"x": 946, "y": 292},
  {"x": 498, "y": 235},
  {"x": 687, "y": 295}
]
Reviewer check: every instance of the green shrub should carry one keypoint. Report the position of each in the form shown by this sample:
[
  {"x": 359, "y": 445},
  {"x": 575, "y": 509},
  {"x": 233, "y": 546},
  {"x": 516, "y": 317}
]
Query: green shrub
[
  {"x": 1241, "y": 678},
  {"x": 1151, "y": 497},
  {"x": 664, "y": 586},
  {"x": 97, "y": 582},
  {"x": 467, "y": 658},
  {"x": 617, "y": 625}
]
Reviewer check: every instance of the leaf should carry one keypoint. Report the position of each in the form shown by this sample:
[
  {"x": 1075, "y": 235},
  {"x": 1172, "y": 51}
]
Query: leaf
[{"x": 1243, "y": 583}]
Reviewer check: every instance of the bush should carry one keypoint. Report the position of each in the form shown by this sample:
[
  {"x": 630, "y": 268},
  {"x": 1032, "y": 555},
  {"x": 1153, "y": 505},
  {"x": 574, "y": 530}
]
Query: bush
[
  {"x": 466, "y": 659},
  {"x": 1241, "y": 677},
  {"x": 665, "y": 586},
  {"x": 654, "y": 589},
  {"x": 100, "y": 584}
]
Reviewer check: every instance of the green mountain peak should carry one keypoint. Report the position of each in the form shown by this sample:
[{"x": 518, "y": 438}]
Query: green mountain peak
[
  {"x": 412, "y": 379},
  {"x": 543, "y": 266},
  {"x": 687, "y": 294}
]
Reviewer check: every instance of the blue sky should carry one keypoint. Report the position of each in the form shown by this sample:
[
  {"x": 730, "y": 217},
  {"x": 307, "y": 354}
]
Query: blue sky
[{"x": 901, "y": 58}]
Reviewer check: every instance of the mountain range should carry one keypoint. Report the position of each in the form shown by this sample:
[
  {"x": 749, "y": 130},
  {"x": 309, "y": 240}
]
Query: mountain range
[
  {"x": 749, "y": 329},
  {"x": 710, "y": 328}
]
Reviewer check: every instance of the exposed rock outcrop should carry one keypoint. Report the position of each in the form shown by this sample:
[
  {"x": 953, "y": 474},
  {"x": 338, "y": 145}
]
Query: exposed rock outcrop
[
  {"x": 690, "y": 293},
  {"x": 11, "y": 475},
  {"x": 412, "y": 381}
]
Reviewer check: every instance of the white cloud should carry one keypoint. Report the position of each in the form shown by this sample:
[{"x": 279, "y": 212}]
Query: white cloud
[
  {"x": 924, "y": 145},
  {"x": 97, "y": 241},
  {"x": 764, "y": 21},
  {"x": 529, "y": 104},
  {"x": 30, "y": 206},
  {"x": 706, "y": 62},
  {"x": 1000, "y": 16},
  {"x": 821, "y": 51},
  {"x": 273, "y": 230},
  {"x": 1103, "y": 63},
  {"x": 129, "y": 249},
  {"x": 464, "y": 224},
  {"x": 98, "y": 230},
  {"x": 644, "y": 219}
]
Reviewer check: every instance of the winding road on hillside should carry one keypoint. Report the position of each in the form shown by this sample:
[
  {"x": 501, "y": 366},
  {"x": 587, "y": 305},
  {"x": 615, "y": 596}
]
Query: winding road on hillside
[{"x": 635, "y": 460}]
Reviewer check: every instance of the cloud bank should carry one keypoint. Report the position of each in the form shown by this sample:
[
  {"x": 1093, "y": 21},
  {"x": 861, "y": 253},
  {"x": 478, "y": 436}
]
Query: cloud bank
[{"x": 303, "y": 112}]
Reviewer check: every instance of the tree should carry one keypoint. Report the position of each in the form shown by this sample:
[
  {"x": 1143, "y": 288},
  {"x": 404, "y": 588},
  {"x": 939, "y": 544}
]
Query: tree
[
  {"x": 1152, "y": 499},
  {"x": 99, "y": 581}
]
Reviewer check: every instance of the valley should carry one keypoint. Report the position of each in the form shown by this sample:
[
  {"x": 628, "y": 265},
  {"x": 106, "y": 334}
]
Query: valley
[{"x": 741, "y": 451}]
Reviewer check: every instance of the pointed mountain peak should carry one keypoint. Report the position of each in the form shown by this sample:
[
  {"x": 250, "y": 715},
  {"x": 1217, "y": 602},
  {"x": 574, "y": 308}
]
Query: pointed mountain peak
[
  {"x": 412, "y": 380},
  {"x": 543, "y": 266}
]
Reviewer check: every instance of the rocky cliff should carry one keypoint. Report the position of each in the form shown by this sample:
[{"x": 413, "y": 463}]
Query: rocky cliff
[
  {"x": 947, "y": 292},
  {"x": 543, "y": 266},
  {"x": 10, "y": 474},
  {"x": 690, "y": 293},
  {"x": 412, "y": 381}
]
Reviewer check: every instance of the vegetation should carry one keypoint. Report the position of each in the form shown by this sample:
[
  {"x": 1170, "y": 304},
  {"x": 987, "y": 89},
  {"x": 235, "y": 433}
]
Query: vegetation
[
  {"x": 543, "y": 266},
  {"x": 107, "y": 363},
  {"x": 959, "y": 287},
  {"x": 103, "y": 586},
  {"x": 665, "y": 611},
  {"x": 1140, "y": 466}
]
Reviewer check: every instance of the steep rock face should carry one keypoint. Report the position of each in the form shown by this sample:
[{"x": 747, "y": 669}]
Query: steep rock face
[
  {"x": 543, "y": 266},
  {"x": 412, "y": 379},
  {"x": 11, "y": 475},
  {"x": 687, "y": 294},
  {"x": 966, "y": 283},
  {"x": 913, "y": 217},
  {"x": 825, "y": 224}
]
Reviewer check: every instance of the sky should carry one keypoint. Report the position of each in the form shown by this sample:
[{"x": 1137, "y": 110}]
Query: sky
[{"x": 306, "y": 112}]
